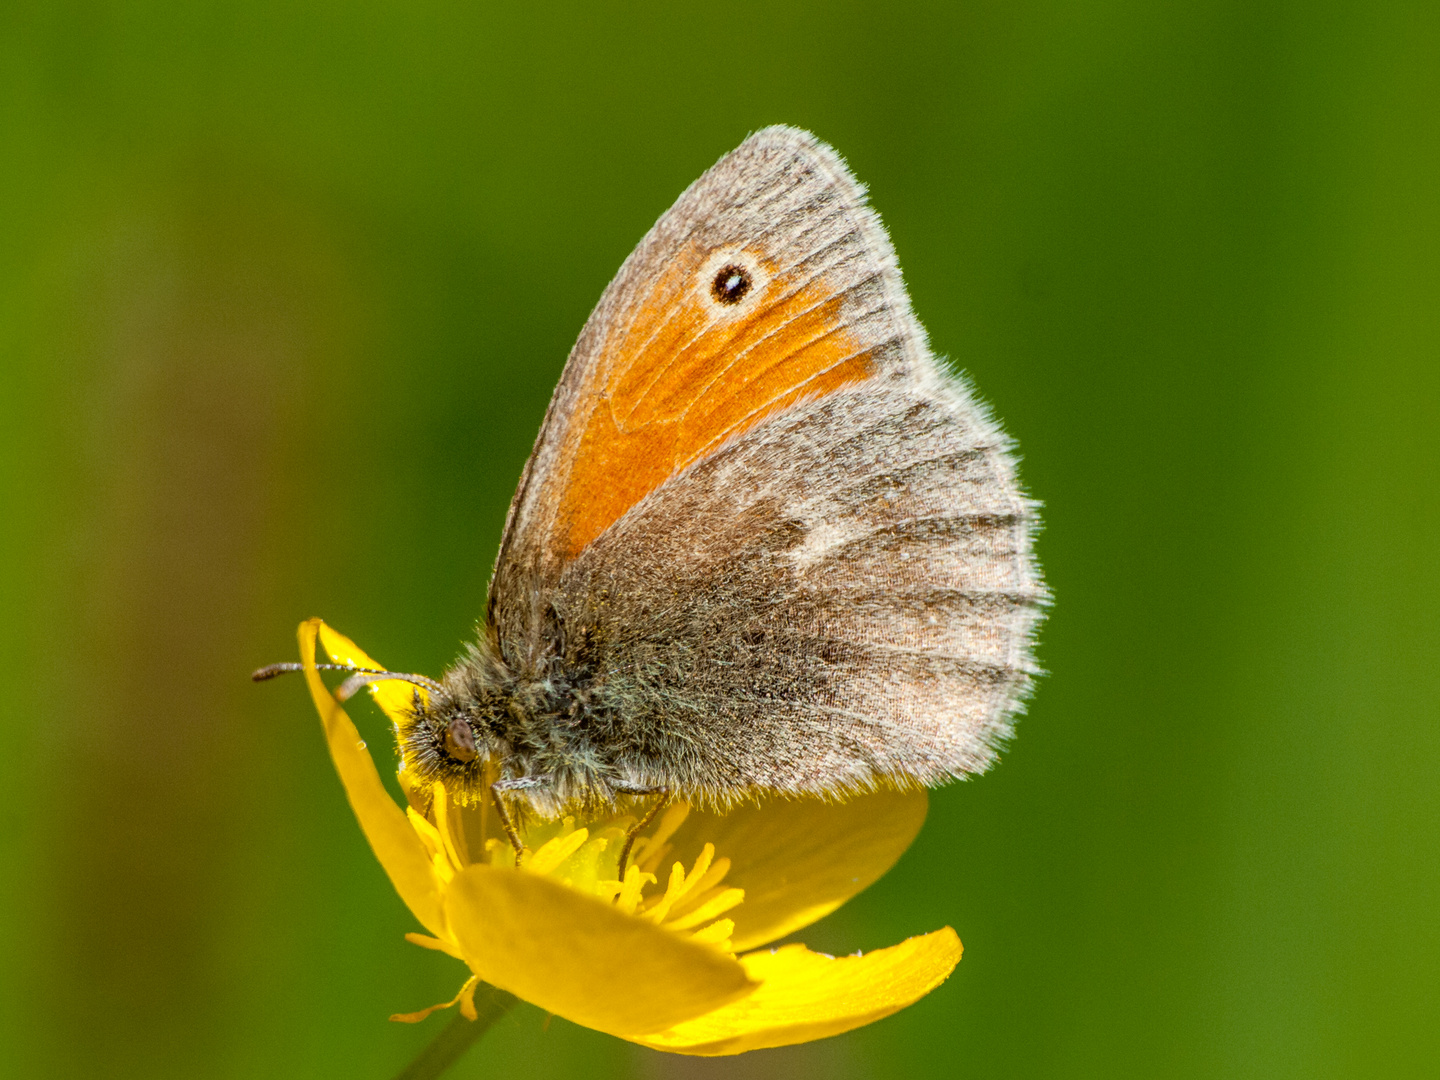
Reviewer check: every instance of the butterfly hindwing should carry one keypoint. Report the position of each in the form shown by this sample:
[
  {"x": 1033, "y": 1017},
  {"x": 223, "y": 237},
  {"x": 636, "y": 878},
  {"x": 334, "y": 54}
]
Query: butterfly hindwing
[{"x": 843, "y": 594}]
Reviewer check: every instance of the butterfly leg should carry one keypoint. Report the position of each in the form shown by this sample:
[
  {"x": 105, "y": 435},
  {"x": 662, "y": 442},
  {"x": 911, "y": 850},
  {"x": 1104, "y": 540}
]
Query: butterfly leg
[
  {"x": 655, "y": 808},
  {"x": 497, "y": 790}
]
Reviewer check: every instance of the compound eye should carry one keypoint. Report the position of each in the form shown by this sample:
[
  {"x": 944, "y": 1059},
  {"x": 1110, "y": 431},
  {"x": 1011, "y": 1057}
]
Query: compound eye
[
  {"x": 731, "y": 284},
  {"x": 460, "y": 740}
]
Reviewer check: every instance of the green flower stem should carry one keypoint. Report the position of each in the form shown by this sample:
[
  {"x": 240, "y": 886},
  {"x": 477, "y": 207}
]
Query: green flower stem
[{"x": 457, "y": 1036}]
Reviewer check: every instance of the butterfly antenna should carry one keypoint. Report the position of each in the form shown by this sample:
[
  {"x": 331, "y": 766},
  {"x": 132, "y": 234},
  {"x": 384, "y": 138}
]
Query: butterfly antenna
[{"x": 359, "y": 677}]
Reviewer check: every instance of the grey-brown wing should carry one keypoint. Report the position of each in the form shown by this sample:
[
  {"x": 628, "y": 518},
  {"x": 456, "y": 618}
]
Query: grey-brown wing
[{"x": 783, "y": 546}]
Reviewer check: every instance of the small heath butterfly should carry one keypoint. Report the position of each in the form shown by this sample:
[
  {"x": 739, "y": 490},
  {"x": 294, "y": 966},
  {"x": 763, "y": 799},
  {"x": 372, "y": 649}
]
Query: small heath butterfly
[{"x": 765, "y": 544}]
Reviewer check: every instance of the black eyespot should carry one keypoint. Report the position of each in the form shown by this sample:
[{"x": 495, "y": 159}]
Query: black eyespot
[{"x": 731, "y": 284}]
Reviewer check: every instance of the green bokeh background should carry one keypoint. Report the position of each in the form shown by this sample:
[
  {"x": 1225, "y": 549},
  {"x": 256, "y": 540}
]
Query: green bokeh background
[{"x": 284, "y": 289}]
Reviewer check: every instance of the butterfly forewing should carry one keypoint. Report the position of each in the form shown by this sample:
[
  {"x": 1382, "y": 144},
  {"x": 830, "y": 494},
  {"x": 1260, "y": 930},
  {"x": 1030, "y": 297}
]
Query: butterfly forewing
[{"x": 665, "y": 371}]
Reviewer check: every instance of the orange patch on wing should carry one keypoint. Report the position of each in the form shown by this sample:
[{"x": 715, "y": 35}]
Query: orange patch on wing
[{"x": 683, "y": 379}]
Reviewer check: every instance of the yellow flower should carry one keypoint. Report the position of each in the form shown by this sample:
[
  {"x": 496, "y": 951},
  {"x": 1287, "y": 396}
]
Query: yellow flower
[{"x": 663, "y": 958}]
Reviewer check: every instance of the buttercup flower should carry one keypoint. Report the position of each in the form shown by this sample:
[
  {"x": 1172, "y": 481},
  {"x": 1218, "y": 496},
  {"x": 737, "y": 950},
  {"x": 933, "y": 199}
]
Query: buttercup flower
[{"x": 671, "y": 955}]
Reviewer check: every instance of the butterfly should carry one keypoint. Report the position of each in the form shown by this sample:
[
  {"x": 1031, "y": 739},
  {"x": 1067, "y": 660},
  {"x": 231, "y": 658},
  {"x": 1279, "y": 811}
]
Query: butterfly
[{"x": 766, "y": 543}]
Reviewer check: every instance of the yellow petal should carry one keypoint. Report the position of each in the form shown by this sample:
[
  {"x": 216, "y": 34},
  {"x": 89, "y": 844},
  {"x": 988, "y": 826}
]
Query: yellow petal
[
  {"x": 579, "y": 958},
  {"x": 805, "y": 995},
  {"x": 393, "y": 696},
  {"x": 394, "y": 842},
  {"x": 800, "y": 859}
]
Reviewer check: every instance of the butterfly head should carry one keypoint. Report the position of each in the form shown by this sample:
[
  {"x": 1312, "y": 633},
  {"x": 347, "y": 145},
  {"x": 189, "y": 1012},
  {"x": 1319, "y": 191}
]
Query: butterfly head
[
  {"x": 453, "y": 739},
  {"x": 533, "y": 730}
]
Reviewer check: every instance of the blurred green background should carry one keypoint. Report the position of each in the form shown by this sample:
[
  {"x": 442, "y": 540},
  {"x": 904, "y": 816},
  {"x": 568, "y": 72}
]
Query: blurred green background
[{"x": 284, "y": 289}]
